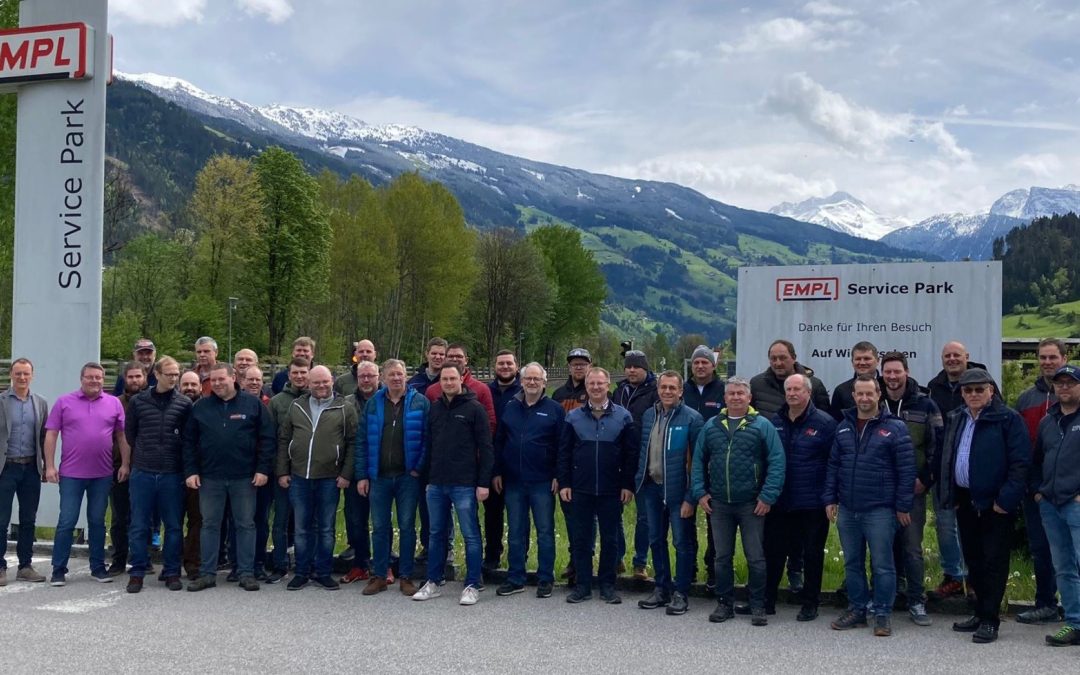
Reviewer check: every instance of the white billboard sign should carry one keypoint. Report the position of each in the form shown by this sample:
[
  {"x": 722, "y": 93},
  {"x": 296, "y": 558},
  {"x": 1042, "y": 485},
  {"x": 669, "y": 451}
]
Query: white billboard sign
[{"x": 913, "y": 308}]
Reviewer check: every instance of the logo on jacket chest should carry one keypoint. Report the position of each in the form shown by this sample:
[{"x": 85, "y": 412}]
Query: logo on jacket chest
[
  {"x": 884, "y": 432},
  {"x": 811, "y": 432},
  {"x": 238, "y": 416}
]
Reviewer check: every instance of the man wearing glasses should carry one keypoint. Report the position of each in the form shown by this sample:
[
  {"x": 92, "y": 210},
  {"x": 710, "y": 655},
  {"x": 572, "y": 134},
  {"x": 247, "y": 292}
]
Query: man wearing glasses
[{"x": 981, "y": 473}]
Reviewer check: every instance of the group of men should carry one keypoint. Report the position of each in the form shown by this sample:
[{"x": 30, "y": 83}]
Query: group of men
[{"x": 773, "y": 458}]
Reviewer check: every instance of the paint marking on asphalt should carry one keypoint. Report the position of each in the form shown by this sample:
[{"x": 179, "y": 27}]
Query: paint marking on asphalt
[{"x": 85, "y": 605}]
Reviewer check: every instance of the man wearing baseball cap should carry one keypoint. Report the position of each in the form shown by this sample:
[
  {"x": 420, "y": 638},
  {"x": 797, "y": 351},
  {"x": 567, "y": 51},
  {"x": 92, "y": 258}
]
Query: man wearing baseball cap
[
  {"x": 145, "y": 353},
  {"x": 570, "y": 396},
  {"x": 1057, "y": 464}
]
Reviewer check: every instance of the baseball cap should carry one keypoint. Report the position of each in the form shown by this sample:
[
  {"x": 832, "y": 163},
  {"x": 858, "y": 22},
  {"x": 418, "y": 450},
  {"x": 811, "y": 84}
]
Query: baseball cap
[
  {"x": 579, "y": 353},
  {"x": 143, "y": 344},
  {"x": 1068, "y": 369}
]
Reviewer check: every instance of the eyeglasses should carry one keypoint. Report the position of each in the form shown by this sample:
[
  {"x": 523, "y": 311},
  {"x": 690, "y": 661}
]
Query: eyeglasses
[
  {"x": 974, "y": 389},
  {"x": 1065, "y": 384},
  {"x": 532, "y": 379}
]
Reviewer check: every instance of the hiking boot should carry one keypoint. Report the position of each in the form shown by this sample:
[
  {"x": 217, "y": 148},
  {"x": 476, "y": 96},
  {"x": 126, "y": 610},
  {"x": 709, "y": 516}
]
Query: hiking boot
[
  {"x": 882, "y": 626},
  {"x": 579, "y": 595},
  {"x": 28, "y": 573},
  {"x": 757, "y": 617},
  {"x": 807, "y": 613},
  {"x": 297, "y": 582},
  {"x": 508, "y": 588},
  {"x": 134, "y": 584},
  {"x": 987, "y": 632},
  {"x": 620, "y": 569},
  {"x": 968, "y": 625},
  {"x": 1065, "y": 637},
  {"x": 173, "y": 583},
  {"x": 374, "y": 585},
  {"x": 722, "y": 613},
  {"x": 544, "y": 589},
  {"x": 1039, "y": 615},
  {"x": 429, "y": 590},
  {"x": 248, "y": 583},
  {"x": 678, "y": 604},
  {"x": 743, "y": 609},
  {"x": 356, "y": 574},
  {"x": 656, "y": 600},
  {"x": 848, "y": 620},
  {"x": 918, "y": 615},
  {"x": 407, "y": 587},
  {"x": 949, "y": 587},
  {"x": 202, "y": 583},
  {"x": 640, "y": 573}
]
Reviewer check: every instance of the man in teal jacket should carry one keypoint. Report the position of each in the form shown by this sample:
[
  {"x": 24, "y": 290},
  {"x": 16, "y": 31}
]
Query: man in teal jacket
[{"x": 736, "y": 476}]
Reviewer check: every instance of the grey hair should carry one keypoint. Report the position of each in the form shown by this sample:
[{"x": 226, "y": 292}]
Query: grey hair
[
  {"x": 392, "y": 363},
  {"x": 207, "y": 340},
  {"x": 534, "y": 364},
  {"x": 736, "y": 381}
]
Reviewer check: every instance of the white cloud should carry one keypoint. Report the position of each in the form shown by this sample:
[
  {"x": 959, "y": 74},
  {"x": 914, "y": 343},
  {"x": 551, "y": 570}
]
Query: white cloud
[
  {"x": 159, "y": 12},
  {"x": 1041, "y": 165},
  {"x": 790, "y": 33},
  {"x": 825, "y": 8},
  {"x": 957, "y": 111},
  {"x": 275, "y": 11}
]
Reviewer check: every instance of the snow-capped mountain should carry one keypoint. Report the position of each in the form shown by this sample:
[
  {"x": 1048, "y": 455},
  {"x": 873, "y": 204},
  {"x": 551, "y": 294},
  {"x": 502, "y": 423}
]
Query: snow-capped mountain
[
  {"x": 1036, "y": 202},
  {"x": 955, "y": 236},
  {"x": 843, "y": 213}
]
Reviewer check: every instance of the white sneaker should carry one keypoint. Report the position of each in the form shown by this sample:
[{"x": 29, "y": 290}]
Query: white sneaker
[
  {"x": 428, "y": 591},
  {"x": 470, "y": 596}
]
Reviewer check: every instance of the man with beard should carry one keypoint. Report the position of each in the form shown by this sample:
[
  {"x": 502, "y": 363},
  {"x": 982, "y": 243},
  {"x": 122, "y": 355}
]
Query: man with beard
[
  {"x": 191, "y": 387},
  {"x": 504, "y": 387},
  {"x": 120, "y": 496},
  {"x": 358, "y": 506}
]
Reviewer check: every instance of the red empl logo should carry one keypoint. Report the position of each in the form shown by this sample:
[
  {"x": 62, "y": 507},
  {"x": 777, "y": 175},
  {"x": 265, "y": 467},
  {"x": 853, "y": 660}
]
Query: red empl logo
[{"x": 808, "y": 288}]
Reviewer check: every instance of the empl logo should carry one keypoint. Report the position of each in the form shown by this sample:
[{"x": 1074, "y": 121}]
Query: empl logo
[{"x": 808, "y": 288}]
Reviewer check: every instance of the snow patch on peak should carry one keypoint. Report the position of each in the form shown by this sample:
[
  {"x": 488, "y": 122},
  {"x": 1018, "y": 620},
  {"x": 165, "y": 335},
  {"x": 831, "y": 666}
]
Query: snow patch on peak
[
  {"x": 672, "y": 214},
  {"x": 535, "y": 174},
  {"x": 842, "y": 212}
]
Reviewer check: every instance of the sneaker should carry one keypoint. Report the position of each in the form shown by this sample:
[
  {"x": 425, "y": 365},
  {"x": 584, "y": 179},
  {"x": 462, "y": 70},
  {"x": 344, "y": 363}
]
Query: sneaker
[
  {"x": 949, "y": 587},
  {"x": 297, "y": 582},
  {"x": 544, "y": 589},
  {"x": 327, "y": 582},
  {"x": 102, "y": 576},
  {"x": 1065, "y": 637},
  {"x": 355, "y": 574},
  {"x": 757, "y": 617},
  {"x": 469, "y": 596},
  {"x": 479, "y": 586},
  {"x": 640, "y": 573},
  {"x": 202, "y": 583},
  {"x": 508, "y": 588},
  {"x": 609, "y": 596},
  {"x": 429, "y": 590},
  {"x": 807, "y": 613},
  {"x": 407, "y": 587},
  {"x": 28, "y": 573},
  {"x": 882, "y": 626},
  {"x": 117, "y": 568},
  {"x": 678, "y": 604},
  {"x": 986, "y": 633},
  {"x": 374, "y": 585},
  {"x": 1039, "y": 615},
  {"x": 276, "y": 577},
  {"x": 656, "y": 600},
  {"x": 722, "y": 613},
  {"x": 57, "y": 579},
  {"x": 968, "y": 625},
  {"x": 134, "y": 584},
  {"x": 249, "y": 583},
  {"x": 848, "y": 620},
  {"x": 173, "y": 583},
  {"x": 918, "y": 615},
  {"x": 579, "y": 595}
]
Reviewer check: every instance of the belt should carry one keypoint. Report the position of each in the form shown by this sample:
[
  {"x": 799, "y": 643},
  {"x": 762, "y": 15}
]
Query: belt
[{"x": 20, "y": 460}]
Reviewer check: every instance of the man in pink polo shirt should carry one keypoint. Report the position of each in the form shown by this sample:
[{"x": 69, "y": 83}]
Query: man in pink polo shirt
[{"x": 88, "y": 420}]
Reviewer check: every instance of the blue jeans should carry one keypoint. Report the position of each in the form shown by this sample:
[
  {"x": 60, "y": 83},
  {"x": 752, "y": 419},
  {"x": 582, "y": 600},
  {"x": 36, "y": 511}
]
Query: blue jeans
[
  {"x": 1041, "y": 559},
  {"x": 590, "y": 510},
  {"x": 97, "y": 500},
  {"x": 1062, "y": 526},
  {"x": 948, "y": 538},
  {"x": 661, "y": 517},
  {"x": 522, "y": 498},
  {"x": 280, "y": 528},
  {"x": 858, "y": 530},
  {"x": 24, "y": 482},
  {"x": 241, "y": 495},
  {"x": 404, "y": 492},
  {"x": 724, "y": 520},
  {"x": 463, "y": 499},
  {"x": 314, "y": 502},
  {"x": 357, "y": 517},
  {"x": 163, "y": 493}
]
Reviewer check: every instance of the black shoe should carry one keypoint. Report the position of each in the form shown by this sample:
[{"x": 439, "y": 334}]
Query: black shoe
[
  {"x": 117, "y": 568},
  {"x": 543, "y": 590},
  {"x": 173, "y": 583},
  {"x": 297, "y": 582},
  {"x": 722, "y": 613},
  {"x": 261, "y": 575},
  {"x": 609, "y": 596},
  {"x": 134, "y": 584},
  {"x": 678, "y": 604},
  {"x": 327, "y": 582},
  {"x": 202, "y": 583},
  {"x": 987, "y": 632},
  {"x": 758, "y": 618},
  {"x": 807, "y": 613},
  {"x": 508, "y": 588},
  {"x": 276, "y": 576},
  {"x": 968, "y": 625},
  {"x": 710, "y": 586},
  {"x": 233, "y": 577},
  {"x": 795, "y": 581},
  {"x": 656, "y": 600},
  {"x": 578, "y": 595},
  {"x": 249, "y": 583},
  {"x": 742, "y": 608},
  {"x": 848, "y": 620}
]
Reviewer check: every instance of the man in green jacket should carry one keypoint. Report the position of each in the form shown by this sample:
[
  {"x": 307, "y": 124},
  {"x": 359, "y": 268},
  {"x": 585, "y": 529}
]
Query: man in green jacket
[{"x": 737, "y": 474}]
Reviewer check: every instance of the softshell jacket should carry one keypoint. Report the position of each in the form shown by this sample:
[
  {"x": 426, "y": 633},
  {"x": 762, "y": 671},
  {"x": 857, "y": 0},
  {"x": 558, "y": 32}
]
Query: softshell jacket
[
  {"x": 460, "y": 443},
  {"x": 369, "y": 433},
  {"x": 708, "y": 401},
  {"x": 1057, "y": 456},
  {"x": 683, "y": 426},
  {"x": 925, "y": 425},
  {"x": 570, "y": 396},
  {"x": 527, "y": 440},
  {"x": 873, "y": 469},
  {"x": 483, "y": 395},
  {"x": 598, "y": 456},
  {"x": 1033, "y": 404},
  {"x": 636, "y": 399},
  {"x": 738, "y": 460},
  {"x": 317, "y": 449},
  {"x": 807, "y": 442},
  {"x": 229, "y": 439},
  {"x": 767, "y": 391}
]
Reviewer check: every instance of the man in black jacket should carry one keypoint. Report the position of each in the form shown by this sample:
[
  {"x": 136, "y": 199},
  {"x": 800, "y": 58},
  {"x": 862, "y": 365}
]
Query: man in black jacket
[
  {"x": 864, "y": 361},
  {"x": 704, "y": 392},
  {"x": 155, "y": 419},
  {"x": 229, "y": 444},
  {"x": 767, "y": 387},
  {"x": 458, "y": 471},
  {"x": 637, "y": 393}
]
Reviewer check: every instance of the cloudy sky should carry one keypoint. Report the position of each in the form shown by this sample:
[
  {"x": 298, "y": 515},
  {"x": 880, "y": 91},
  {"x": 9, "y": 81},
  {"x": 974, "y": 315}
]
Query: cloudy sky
[{"x": 915, "y": 106}]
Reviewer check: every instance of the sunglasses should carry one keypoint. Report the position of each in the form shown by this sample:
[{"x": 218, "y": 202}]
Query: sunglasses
[{"x": 974, "y": 390}]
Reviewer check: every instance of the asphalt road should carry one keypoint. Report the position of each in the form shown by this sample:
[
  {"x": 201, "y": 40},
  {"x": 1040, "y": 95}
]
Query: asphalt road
[{"x": 87, "y": 626}]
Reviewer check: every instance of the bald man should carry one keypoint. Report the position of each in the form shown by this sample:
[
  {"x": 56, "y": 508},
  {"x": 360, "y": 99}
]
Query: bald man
[
  {"x": 242, "y": 360},
  {"x": 364, "y": 350}
]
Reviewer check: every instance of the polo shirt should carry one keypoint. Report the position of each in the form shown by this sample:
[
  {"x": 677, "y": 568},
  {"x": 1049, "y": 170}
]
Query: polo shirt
[{"x": 86, "y": 429}]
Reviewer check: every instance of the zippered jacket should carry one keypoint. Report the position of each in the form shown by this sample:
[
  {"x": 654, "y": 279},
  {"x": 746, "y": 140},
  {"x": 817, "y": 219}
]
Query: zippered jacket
[
  {"x": 598, "y": 456},
  {"x": 738, "y": 460},
  {"x": 154, "y": 428},
  {"x": 527, "y": 440},
  {"x": 807, "y": 442},
  {"x": 317, "y": 449},
  {"x": 683, "y": 426},
  {"x": 369, "y": 434},
  {"x": 1057, "y": 456},
  {"x": 460, "y": 442},
  {"x": 229, "y": 439},
  {"x": 874, "y": 469}
]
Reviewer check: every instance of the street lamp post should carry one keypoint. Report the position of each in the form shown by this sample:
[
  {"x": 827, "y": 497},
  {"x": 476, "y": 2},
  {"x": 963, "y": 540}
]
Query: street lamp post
[{"x": 232, "y": 308}]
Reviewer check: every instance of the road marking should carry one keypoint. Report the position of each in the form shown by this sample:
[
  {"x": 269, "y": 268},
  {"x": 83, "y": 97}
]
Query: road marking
[{"x": 85, "y": 605}]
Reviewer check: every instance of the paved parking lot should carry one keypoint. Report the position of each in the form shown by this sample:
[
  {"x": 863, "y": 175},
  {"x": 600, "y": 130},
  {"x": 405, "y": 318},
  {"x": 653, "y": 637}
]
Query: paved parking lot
[{"x": 87, "y": 626}]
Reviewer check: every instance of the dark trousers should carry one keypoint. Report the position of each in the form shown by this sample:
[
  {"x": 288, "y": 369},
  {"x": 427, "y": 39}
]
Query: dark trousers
[
  {"x": 1041, "y": 560},
  {"x": 725, "y": 520},
  {"x": 194, "y": 527},
  {"x": 264, "y": 498},
  {"x": 805, "y": 530},
  {"x": 607, "y": 511},
  {"x": 494, "y": 513},
  {"x": 357, "y": 526},
  {"x": 984, "y": 537},
  {"x": 120, "y": 522},
  {"x": 24, "y": 482}
]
